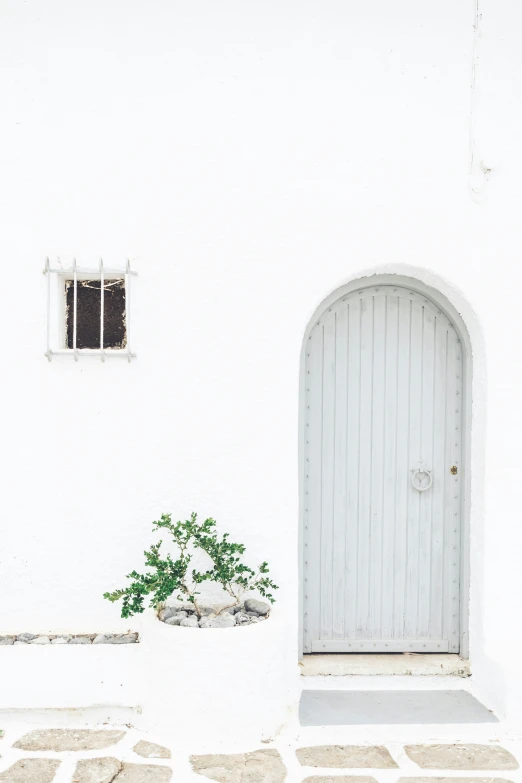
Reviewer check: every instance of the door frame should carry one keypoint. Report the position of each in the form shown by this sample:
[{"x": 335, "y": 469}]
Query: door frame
[{"x": 442, "y": 302}]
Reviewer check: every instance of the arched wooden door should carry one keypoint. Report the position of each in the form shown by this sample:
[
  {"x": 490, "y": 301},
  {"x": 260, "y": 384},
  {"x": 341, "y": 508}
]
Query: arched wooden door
[{"x": 382, "y": 475}]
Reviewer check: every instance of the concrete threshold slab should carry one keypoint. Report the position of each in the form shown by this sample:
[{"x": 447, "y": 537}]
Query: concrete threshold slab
[
  {"x": 347, "y": 708},
  {"x": 415, "y": 664}
]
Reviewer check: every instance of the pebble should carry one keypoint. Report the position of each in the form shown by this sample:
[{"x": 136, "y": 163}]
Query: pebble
[
  {"x": 177, "y": 616},
  {"x": 101, "y": 638},
  {"x": 62, "y": 639},
  {"x": 126, "y": 638},
  {"x": 79, "y": 640},
  {"x": 241, "y": 618},
  {"x": 26, "y": 637},
  {"x": 221, "y": 621},
  {"x": 190, "y": 622},
  {"x": 174, "y": 620},
  {"x": 6, "y": 640},
  {"x": 259, "y": 607},
  {"x": 41, "y": 640}
]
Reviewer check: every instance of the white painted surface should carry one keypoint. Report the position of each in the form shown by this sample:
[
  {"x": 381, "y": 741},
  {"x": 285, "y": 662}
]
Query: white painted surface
[
  {"x": 218, "y": 685},
  {"x": 72, "y": 677},
  {"x": 383, "y": 419},
  {"x": 249, "y": 159}
]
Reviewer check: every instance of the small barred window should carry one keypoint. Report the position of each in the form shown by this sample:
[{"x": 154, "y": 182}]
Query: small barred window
[
  {"x": 88, "y": 311},
  {"x": 88, "y": 314}
]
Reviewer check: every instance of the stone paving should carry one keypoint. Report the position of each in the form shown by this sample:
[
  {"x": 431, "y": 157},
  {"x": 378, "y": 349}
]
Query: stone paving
[{"x": 124, "y": 755}]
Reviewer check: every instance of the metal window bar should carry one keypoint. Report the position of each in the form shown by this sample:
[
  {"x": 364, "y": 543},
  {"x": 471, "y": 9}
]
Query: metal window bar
[
  {"x": 86, "y": 272},
  {"x": 75, "y": 308},
  {"x": 127, "y": 307},
  {"x": 47, "y": 272},
  {"x": 102, "y": 302}
]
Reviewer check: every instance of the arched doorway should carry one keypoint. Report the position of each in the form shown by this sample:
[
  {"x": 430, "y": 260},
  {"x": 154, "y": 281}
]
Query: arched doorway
[{"x": 385, "y": 393}]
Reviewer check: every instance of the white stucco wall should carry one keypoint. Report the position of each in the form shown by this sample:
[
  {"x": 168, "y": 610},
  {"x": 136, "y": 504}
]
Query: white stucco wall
[{"x": 249, "y": 158}]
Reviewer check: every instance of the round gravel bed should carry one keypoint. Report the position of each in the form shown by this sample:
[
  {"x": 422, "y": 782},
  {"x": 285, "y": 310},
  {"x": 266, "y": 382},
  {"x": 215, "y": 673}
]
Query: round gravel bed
[{"x": 248, "y": 613}]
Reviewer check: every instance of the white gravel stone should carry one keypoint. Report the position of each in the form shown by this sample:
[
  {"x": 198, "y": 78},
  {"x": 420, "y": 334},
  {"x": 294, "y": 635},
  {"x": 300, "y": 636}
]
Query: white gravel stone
[
  {"x": 224, "y": 620},
  {"x": 102, "y": 638},
  {"x": 62, "y": 639},
  {"x": 6, "y": 640},
  {"x": 189, "y": 622},
  {"x": 259, "y": 607},
  {"x": 41, "y": 640},
  {"x": 125, "y": 638},
  {"x": 175, "y": 620},
  {"x": 80, "y": 640},
  {"x": 26, "y": 637}
]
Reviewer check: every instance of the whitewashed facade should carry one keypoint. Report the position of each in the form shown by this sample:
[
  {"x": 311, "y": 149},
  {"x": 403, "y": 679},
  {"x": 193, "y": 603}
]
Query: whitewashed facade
[{"x": 250, "y": 159}]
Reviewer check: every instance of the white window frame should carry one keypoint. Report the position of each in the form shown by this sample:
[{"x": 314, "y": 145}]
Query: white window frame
[{"x": 56, "y": 309}]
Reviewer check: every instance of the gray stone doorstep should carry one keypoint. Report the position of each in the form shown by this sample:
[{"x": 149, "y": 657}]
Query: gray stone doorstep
[
  {"x": 352, "y": 707},
  {"x": 109, "y": 770},
  {"x": 31, "y": 771},
  {"x": 149, "y": 750},
  {"x": 346, "y": 756},
  {"x": 462, "y": 757},
  {"x": 69, "y": 739},
  {"x": 340, "y": 779},
  {"x": 261, "y": 766}
]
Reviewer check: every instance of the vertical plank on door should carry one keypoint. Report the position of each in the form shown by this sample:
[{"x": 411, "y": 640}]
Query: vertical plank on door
[
  {"x": 390, "y": 467},
  {"x": 342, "y": 401},
  {"x": 403, "y": 464},
  {"x": 452, "y": 510},
  {"x": 426, "y": 498},
  {"x": 378, "y": 392},
  {"x": 328, "y": 471},
  {"x": 313, "y": 486},
  {"x": 415, "y": 413},
  {"x": 365, "y": 469},
  {"x": 352, "y": 466},
  {"x": 439, "y": 481}
]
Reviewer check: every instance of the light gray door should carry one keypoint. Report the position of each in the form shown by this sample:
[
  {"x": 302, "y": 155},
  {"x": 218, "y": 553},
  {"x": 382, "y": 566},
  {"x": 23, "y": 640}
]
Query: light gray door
[{"x": 382, "y": 476}]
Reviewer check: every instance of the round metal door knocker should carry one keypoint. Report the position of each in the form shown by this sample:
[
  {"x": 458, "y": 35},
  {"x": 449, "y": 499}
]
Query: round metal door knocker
[{"x": 421, "y": 479}]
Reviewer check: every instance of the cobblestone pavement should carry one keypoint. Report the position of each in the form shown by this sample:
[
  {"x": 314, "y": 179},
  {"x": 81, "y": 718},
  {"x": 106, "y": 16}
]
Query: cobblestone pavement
[{"x": 125, "y": 755}]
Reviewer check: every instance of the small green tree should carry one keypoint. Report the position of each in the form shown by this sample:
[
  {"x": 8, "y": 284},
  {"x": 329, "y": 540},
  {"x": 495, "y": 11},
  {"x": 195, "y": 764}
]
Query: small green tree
[{"x": 169, "y": 576}]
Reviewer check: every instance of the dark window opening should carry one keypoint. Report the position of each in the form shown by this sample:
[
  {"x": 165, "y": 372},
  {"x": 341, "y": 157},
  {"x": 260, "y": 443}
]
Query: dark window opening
[{"x": 88, "y": 313}]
